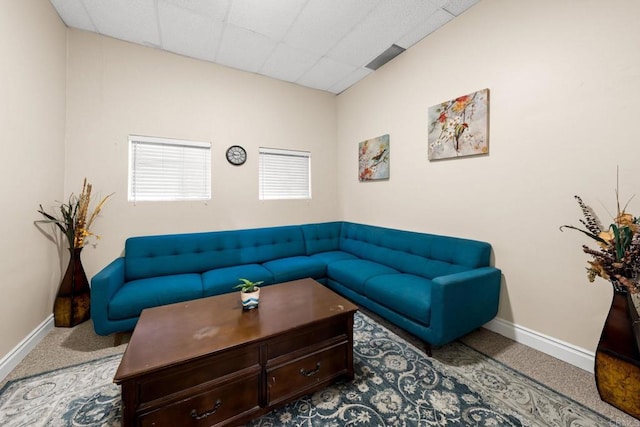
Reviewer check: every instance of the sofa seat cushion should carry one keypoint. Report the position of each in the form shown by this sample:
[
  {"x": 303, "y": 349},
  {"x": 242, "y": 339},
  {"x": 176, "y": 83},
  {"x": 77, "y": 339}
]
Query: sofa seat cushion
[
  {"x": 354, "y": 273},
  {"x": 222, "y": 280},
  {"x": 333, "y": 256},
  {"x": 137, "y": 295},
  {"x": 297, "y": 267},
  {"x": 405, "y": 294}
]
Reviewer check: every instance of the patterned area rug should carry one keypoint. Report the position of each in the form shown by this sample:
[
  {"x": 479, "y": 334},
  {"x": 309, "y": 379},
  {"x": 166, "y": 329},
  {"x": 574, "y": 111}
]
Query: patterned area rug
[{"x": 395, "y": 385}]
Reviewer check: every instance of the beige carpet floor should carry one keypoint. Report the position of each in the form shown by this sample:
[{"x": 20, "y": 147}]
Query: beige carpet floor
[{"x": 67, "y": 346}]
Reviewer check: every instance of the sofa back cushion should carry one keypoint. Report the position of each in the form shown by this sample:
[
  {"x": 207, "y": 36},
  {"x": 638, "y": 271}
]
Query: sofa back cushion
[
  {"x": 425, "y": 255},
  {"x": 150, "y": 256},
  {"x": 324, "y": 237}
]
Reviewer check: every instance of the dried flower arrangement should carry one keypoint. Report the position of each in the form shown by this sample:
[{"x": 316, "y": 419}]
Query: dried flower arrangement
[
  {"x": 618, "y": 259},
  {"x": 73, "y": 221}
]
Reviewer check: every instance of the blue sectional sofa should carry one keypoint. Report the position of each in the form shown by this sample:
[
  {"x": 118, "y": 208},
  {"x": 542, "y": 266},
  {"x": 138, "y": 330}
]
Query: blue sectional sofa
[{"x": 435, "y": 287}]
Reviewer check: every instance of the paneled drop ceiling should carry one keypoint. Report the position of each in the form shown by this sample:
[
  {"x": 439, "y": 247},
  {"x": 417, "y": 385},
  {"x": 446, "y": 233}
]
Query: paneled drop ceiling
[{"x": 322, "y": 44}]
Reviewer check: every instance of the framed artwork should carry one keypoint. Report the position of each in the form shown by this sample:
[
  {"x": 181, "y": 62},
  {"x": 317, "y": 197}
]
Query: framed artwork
[
  {"x": 460, "y": 127},
  {"x": 373, "y": 159}
]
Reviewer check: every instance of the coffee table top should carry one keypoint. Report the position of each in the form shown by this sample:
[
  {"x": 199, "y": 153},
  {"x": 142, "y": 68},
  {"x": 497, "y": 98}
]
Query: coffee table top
[{"x": 171, "y": 334}]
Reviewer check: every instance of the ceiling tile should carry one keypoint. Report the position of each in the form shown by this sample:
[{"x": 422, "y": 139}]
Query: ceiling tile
[
  {"x": 380, "y": 29},
  {"x": 73, "y": 14},
  {"x": 202, "y": 39},
  {"x": 456, "y": 7},
  {"x": 271, "y": 18},
  {"x": 323, "y": 23},
  {"x": 417, "y": 33},
  {"x": 244, "y": 49},
  {"x": 287, "y": 63},
  {"x": 439, "y": 3},
  {"x": 326, "y": 73},
  {"x": 357, "y": 75},
  {"x": 214, "y": 9},
  {"x": 131, "y": 20}
]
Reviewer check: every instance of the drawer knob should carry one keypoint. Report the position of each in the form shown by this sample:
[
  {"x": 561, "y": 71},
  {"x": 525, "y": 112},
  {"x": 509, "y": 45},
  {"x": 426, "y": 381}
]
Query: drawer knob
[
  {"x": 311, "y": 372},
  {"x": 195, "y": 415}
]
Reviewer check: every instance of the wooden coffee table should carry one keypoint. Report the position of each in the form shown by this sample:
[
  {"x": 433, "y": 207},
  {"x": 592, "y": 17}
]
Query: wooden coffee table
[{"x": 207, "y": 362}]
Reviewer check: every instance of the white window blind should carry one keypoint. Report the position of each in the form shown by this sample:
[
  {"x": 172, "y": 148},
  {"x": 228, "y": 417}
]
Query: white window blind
[
  {"x": 163, "y": 169},
  {"x": 284, "y": 174}
]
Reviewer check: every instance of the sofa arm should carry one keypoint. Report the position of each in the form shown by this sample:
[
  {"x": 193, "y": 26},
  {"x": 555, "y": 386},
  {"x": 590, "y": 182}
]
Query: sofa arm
[
  {"x": 462, "y": 302},
  {"x": 103, "y": 286}
]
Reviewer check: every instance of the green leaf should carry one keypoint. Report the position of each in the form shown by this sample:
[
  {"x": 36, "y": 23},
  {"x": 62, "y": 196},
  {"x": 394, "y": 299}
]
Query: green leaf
[
  {"x": 618, "y": 243},
  {"x": 593, "y": 236}
]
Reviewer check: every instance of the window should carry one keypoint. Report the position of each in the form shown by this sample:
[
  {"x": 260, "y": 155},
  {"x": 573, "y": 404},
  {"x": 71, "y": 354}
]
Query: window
[
  {"x": 162, "y": 169},
  {"x": 284, "y": 174}
]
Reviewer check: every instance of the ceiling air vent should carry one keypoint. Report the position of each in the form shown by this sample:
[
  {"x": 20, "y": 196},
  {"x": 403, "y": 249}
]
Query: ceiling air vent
[{"x": 385, "y": 57}]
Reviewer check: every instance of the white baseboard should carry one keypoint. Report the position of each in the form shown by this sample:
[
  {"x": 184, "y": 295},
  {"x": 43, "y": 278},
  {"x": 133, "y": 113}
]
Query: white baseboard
[
  {"x": 19, "y": 352},
  {"x": 566, "y": 352}
]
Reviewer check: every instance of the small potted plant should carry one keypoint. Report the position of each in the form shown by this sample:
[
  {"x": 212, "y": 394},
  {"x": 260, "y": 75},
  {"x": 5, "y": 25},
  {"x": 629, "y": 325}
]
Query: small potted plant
[{"x": 249, "y": 293}]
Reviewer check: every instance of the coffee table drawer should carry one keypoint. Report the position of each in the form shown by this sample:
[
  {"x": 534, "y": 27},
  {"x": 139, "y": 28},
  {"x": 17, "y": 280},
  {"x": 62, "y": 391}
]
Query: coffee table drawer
[
  {"x": 310, "y": 335},
  {"x": 226, "y": 402},
  {"x": 195, "y": 373},
  {"x": 300, "y": 376}
]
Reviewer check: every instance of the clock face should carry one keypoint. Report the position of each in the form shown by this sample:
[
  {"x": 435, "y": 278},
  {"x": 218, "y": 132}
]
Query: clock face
[{"x": 236, "y": 155}]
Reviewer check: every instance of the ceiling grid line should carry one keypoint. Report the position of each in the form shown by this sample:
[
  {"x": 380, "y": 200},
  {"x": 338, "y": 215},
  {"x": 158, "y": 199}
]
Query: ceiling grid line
[
  {"x": 362, "y": 19},
  {"x": 284, "y": 37},
  {"x": 156, "y": 11}
]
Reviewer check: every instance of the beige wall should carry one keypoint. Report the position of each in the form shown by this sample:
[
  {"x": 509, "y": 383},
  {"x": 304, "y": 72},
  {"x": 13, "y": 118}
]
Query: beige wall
[
  {"x": 564, "y": 80},
  {"x": 32, "y": 108},
  {"x": 117, "y": 88}
]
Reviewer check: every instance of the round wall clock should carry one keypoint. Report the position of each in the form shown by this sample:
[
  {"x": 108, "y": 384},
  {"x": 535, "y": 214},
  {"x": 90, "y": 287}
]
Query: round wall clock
[{"x": 236, "y": 155}]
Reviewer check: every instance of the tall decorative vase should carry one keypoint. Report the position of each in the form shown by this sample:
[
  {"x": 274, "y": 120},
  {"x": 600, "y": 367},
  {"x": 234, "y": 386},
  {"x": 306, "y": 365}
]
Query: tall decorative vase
[
  {"x": 72, "y": 305},
  {"x": 617, "y": 362}
]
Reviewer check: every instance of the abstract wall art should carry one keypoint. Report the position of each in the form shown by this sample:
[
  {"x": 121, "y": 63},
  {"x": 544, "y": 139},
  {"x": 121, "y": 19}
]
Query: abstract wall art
[
  {"x": 373, "y": 159},
  {"x": 459, "y": 127}
]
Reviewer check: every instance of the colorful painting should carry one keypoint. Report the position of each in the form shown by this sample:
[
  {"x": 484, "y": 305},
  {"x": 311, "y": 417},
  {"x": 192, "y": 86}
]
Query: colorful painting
[
  {"x": 373, "y": 159},
  {"x": 460, "y": 127}
]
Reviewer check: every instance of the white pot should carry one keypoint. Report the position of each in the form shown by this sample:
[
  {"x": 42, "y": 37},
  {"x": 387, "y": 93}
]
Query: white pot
[{"x": 250, "y": 300}]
